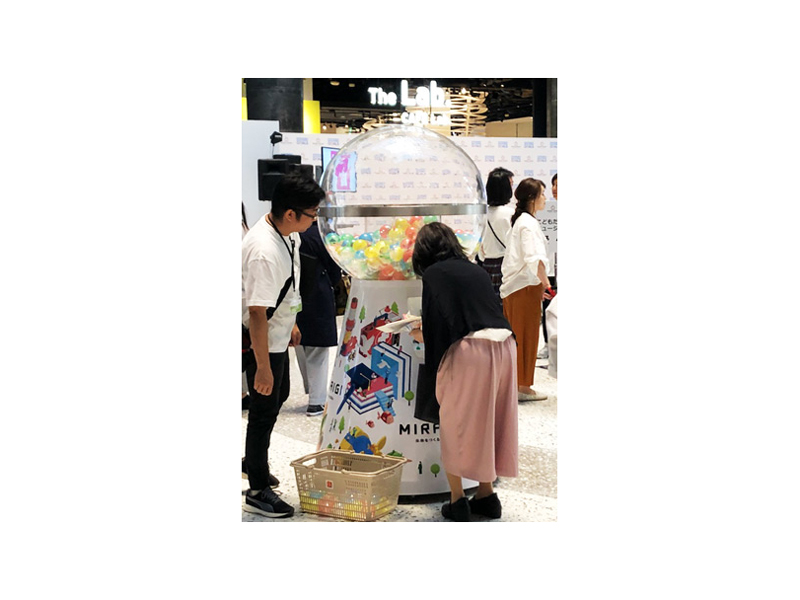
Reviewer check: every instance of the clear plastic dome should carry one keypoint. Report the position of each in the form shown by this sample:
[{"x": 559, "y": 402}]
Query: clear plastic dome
[{"x": 383, "y": 185}]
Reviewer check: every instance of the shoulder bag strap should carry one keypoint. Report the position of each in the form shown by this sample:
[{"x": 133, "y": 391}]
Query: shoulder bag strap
[
  {"x": 495, "y": 235},
  {"x": 271, "y": 310}
]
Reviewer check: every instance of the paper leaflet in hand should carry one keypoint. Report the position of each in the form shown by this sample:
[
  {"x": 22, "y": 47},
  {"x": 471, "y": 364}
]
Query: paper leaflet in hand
[{"x": 406, "y": 325}]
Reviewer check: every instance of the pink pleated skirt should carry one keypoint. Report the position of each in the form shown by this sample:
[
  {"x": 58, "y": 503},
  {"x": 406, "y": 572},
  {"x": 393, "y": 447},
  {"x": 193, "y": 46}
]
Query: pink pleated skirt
[{"x": 476, "y": 386}]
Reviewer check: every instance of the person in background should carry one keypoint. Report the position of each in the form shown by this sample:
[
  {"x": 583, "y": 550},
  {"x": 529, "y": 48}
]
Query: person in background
[
  {"x": 317, "y": 320},
  {"x": 551, "y": 314},
  {"x": 551, "y": 276},
  {"x": 245, "y": 393},
  {"x": 524, "y": 281},
  {"x": 470, "y": 353},
  {"x": 270, "y": 287},
  {"x": 498, "y": 224}
]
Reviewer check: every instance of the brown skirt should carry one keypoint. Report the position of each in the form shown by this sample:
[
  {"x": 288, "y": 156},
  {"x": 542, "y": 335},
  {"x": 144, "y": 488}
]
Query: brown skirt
[{"x": 523, "y": 309}]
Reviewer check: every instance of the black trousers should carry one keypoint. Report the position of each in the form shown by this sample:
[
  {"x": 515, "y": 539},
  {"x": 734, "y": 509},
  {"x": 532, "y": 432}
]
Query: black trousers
[
  {"x": 545, "y": 304},
  {"x": 263, "y": 415}
]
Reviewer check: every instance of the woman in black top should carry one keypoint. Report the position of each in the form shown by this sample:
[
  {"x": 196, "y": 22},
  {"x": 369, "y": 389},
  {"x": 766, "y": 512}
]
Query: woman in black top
[{"x": 470, "y": 351}]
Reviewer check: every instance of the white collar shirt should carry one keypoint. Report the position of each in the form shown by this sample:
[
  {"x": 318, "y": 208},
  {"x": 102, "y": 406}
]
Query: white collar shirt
[{"x": 526, "y": 248}]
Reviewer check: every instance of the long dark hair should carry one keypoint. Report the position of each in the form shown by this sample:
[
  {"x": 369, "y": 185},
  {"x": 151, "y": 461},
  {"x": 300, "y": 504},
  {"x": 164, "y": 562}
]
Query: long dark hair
[
  {"x": 527, "y": 190},
  {"x": 435, "y": 242}
]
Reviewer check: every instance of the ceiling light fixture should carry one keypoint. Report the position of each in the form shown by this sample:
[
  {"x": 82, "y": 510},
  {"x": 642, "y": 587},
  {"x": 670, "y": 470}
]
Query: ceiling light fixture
[{"x": 334, "y": 82}]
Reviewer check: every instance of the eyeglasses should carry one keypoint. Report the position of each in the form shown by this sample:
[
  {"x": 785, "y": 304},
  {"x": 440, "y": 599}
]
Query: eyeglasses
[{"x": 313, "y": 216}]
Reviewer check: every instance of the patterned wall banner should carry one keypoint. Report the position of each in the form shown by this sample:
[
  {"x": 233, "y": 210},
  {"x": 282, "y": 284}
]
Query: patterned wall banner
[
  {"x": 548, "y": 219},
  {"x": 525, "y": 157}
]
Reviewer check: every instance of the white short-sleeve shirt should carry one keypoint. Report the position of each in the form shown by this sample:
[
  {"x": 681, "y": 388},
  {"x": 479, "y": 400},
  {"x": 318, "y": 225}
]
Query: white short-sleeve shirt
[
  {"x": 266, "y": 265},
  {"x": 499, "y": 217}
]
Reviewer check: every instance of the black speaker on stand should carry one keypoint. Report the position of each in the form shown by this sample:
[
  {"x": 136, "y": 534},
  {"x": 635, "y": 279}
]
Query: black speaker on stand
[{"x": 270, "y": 171}]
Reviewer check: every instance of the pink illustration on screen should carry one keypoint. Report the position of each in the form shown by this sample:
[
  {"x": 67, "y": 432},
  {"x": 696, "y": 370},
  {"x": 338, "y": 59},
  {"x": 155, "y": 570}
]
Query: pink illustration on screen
[{"x": 343, "y": 174}]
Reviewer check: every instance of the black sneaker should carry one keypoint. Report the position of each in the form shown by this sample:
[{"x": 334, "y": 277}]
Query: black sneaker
[
  {"x": 271, "y": 479},
  {"x": 488, "y": 506},
  {"x": 314, "y": 409},
  {"x": 266, "y": 503},
  {"x": 457, "y": 511}
]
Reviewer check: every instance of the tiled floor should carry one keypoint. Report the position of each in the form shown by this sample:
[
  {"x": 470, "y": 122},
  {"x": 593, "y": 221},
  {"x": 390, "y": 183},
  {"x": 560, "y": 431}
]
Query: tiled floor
[{"x": 531, "y": 497}]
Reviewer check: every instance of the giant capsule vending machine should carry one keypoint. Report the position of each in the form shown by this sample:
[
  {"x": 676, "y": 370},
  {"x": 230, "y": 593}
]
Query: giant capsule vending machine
[{"x": 381, "y": 187}]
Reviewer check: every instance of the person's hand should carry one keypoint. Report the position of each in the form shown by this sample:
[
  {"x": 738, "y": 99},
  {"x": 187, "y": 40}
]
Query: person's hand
[
  {"x": 547, "y": 295},
  {"x": 416, "y": 333},
  {"x": 264, "y": 381},
  {"x": 296, "y": 335}
]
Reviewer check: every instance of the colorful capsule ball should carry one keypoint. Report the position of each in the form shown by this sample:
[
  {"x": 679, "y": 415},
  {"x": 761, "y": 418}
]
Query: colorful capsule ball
[
  {"x": 346, "y": 253},
  {"x": 386, "y": 272}
]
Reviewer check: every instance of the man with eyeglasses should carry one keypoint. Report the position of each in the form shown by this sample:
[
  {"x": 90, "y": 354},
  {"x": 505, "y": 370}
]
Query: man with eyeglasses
[{"x": 271, "y": 290}]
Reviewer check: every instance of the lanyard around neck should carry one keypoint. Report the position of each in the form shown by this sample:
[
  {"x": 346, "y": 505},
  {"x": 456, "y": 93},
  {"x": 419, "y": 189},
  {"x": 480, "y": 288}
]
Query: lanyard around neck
[{"x": 289, "y": 250}]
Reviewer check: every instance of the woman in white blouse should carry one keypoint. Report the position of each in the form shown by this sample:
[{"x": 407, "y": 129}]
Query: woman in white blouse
[{"x": 525, "y": 281}]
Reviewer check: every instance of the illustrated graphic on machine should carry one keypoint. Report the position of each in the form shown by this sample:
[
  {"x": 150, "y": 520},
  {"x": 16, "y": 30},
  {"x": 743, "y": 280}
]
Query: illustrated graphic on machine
[
  {"x": 371, "y": 336},
  {"x": 349, "y": 341},
  {"x": 359, "y": 442},
  {"x": 373, "y": 384},
  {"x": 385, "y": 378}
]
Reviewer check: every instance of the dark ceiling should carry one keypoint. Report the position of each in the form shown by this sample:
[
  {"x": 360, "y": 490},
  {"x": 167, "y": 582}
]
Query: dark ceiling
[{"x": 348, "y": 103}]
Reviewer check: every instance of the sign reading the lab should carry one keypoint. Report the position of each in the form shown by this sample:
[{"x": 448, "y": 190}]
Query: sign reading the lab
[{"x": 432, "y": 98}]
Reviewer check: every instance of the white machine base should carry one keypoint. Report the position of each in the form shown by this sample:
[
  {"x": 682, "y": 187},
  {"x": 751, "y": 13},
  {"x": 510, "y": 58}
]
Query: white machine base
[{"x": 371, "y": 395}]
